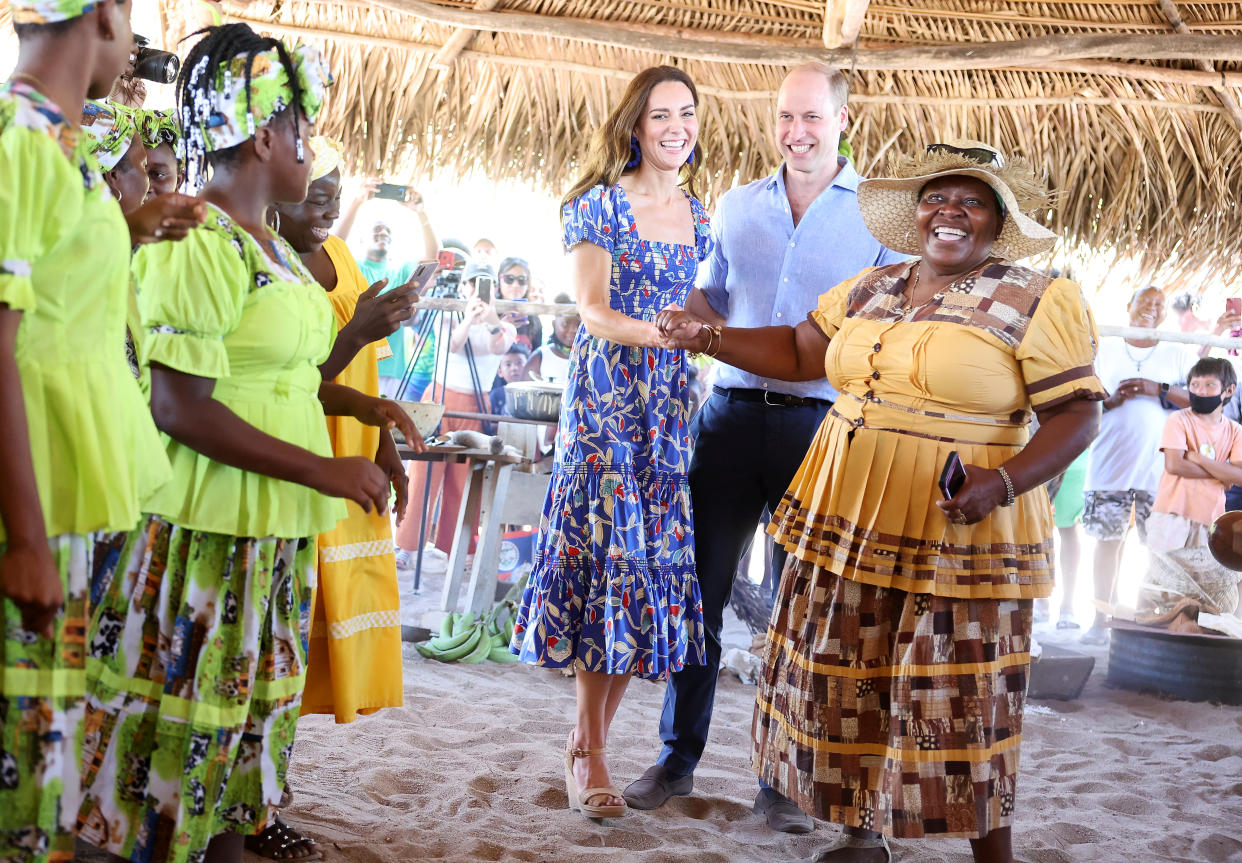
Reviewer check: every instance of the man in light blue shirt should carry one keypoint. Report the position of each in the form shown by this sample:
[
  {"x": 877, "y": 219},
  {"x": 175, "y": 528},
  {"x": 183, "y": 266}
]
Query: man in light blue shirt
[{"x": 780, "y": 242}]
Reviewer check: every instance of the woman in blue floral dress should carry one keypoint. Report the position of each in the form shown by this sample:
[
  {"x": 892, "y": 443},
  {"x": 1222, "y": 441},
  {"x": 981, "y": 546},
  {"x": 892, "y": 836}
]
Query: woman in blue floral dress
[{"x": 613, "y": 592}]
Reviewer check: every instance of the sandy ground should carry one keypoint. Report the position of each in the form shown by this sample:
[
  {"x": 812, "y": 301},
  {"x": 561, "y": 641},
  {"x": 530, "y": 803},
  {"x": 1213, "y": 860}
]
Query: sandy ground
[{"x": 470, "y": 770}]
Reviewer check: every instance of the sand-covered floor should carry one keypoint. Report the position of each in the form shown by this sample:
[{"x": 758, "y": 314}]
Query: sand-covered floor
[{"x": 470, "y": 769}]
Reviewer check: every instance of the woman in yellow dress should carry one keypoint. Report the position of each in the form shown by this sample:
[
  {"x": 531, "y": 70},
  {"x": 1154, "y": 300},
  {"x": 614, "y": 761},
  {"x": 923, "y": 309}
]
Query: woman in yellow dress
[
  {"x": 898, "y": 650},
  {"x": 354, "y": 662}
]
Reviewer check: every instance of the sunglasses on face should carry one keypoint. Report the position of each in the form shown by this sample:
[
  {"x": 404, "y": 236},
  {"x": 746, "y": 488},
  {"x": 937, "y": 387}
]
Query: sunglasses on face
[
  {"x": 982, "y": 155},
  {"x": 511, "y": 279}
]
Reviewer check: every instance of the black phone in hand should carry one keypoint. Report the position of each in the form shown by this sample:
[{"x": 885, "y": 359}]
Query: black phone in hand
[{"x": 952, "y": 475}]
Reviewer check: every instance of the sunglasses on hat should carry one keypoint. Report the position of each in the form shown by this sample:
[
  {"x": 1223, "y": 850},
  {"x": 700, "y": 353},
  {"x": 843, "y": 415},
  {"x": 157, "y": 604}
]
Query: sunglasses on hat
[{"x": 982, "y": 155}]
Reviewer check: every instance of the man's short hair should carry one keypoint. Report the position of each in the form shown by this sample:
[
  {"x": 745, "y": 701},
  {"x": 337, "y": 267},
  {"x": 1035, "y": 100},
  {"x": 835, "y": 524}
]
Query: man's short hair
[
  {"x": 837, "y": 85},
  {"x": 1214, "y": 367}
]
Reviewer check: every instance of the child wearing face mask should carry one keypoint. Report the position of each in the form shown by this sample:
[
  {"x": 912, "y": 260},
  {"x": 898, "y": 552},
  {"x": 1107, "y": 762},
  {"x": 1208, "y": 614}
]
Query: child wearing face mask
[{"x": 1202, "y": 457}]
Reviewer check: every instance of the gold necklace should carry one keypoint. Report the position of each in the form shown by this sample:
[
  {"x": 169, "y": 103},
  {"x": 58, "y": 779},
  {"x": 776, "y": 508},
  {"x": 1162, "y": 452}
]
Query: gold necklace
[{"x": 956, "y": 286}]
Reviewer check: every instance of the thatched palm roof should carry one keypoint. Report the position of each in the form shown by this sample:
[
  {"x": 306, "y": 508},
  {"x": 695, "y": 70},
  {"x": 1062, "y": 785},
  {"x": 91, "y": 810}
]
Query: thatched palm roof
[{"x": 1131, "y": 105}]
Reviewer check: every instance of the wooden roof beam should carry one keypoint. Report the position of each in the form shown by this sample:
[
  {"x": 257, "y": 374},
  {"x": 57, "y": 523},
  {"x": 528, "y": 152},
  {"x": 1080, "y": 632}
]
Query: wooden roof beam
[
  {"x": 1224, "y": 96},
  {"x": 726, "y": 49},
  {"x": 461, "y": 39},
  {"x": 843, "y": 21}
]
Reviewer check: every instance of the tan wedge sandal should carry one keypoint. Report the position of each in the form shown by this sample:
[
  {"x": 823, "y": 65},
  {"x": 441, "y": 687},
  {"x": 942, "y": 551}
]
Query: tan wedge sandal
[{"x": 578, "y": 801}]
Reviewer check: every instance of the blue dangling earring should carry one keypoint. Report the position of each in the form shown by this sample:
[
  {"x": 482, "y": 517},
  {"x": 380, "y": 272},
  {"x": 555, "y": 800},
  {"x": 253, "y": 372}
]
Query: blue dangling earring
[
  {"x": 690, "y": 161},
  {"x": 636, "y": 155}
]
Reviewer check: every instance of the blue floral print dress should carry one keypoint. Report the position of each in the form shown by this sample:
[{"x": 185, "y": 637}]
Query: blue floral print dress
[{"x": 613, "y": 588}]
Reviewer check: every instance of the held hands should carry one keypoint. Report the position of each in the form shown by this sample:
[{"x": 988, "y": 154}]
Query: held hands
[
  {"x": 679, "y": 330},
  {"x": 165, "y": 217},
  {"x": 377, "y": 317},
  {"x": 30, "y": 580},
  {"x": 413, "y": 201},
  {"x": 982, "y": 491}
]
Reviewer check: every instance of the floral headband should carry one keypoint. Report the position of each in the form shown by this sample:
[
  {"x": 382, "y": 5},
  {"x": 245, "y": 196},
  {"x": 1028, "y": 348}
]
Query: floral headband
[
  {"x": 112, "y": 127},
  {"x": 157, "y": 127},
  {"x": 48, "y": 11}
]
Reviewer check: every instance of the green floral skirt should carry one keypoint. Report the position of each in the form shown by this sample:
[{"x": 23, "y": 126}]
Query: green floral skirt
[
  {"x": 42, "y": 681},
  {"x": 194, "y": 685}
]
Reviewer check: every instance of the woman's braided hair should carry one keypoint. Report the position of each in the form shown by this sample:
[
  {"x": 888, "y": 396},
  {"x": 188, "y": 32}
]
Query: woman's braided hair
[{"x": 197, "y": 94}]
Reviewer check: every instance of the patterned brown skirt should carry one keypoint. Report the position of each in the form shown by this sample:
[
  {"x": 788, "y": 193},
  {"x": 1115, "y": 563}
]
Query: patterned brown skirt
[{"x": 892, "y": 711}]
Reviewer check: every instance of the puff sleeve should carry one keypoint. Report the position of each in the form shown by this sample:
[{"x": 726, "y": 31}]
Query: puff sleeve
[
  {"x": 1057, "y": 353},
  {"x": 190, "y": 296},
  {"x": 591, "y": 218},
  {"x": 828, "y": 316}
]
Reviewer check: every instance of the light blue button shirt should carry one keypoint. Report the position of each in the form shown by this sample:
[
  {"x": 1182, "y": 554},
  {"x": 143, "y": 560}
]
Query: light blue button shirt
[{"x": 765, "y": 272}]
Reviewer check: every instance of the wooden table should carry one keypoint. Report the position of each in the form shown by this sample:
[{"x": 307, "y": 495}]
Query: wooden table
[{"x": 486, "y": 492}]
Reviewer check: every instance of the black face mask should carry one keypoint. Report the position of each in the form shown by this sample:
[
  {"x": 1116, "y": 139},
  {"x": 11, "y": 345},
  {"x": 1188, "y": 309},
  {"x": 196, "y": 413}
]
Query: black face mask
[{"x": 1204, "y": 404}]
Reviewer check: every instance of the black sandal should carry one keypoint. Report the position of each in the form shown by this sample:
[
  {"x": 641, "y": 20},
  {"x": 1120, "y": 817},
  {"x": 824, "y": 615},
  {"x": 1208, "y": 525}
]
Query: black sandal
[{"x": 278, "y": 839}]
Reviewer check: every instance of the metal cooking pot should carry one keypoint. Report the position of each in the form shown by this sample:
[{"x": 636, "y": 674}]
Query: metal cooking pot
[{"x": 534, "y": 400}]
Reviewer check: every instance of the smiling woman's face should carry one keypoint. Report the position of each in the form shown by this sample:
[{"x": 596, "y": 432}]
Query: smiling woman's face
[
  {"x": 1147, "y": 310},
  {"x": 958, "y": 220},
  {"x": 306, "y": 225}
]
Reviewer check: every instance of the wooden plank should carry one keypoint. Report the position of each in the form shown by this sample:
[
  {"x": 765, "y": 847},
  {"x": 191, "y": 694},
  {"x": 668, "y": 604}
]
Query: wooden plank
[
  {"x": 1128, "y": 71},
  {"x": 843, "y": 21},
  {"x": 1226, "y": 98},
  {"x": 726, "y": 49},
  {"x": 460, "y": 40},
  {"x": 462, "y": 535}
]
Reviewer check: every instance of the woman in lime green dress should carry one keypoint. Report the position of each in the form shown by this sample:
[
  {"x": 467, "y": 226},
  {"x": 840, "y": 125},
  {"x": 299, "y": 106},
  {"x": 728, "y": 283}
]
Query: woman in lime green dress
[
  {"x": 79, "y": 450},
  {"x": 198, "y": 639}
]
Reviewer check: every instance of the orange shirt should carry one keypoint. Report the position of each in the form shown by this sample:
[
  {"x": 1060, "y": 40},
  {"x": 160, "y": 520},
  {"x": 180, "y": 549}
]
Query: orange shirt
[{"x": 1200, "y": 500}]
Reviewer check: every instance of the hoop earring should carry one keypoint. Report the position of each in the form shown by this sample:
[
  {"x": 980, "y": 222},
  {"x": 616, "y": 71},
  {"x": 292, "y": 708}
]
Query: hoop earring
[
  {"x": 908, "y": 233},
  {"x": 636, "y": 155},
  {"x": 273, "y": 219}
]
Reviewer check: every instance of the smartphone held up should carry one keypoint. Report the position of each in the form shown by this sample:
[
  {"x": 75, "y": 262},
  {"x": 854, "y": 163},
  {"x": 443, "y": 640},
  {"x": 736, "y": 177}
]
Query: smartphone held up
[{"x": 392, "y": 192}]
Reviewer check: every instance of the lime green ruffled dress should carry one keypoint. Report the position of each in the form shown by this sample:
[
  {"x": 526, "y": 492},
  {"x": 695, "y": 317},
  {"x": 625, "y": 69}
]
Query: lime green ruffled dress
[
  {"x": 64, "y": 263},
  {"x": 198, "y": 643}
]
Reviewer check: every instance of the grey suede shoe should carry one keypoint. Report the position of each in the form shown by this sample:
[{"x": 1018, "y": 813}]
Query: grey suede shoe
[
  {"x": 653, "y": 788},
  {"x": 783, "y": 814}
]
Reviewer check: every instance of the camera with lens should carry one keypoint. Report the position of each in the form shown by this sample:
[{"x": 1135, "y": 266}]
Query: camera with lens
[
  {"x": 151, "y": 64},
  {"x": 446, "y": 284}
]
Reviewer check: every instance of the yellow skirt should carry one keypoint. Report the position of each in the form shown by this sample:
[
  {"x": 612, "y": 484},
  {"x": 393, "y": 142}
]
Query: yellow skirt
[
  {"x": 863, "y": 506},
  {"x": 354, "y": 659}
]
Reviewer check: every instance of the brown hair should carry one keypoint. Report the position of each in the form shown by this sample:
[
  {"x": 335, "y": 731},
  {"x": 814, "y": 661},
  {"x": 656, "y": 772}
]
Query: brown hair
[{"x": 610, "y": 145}]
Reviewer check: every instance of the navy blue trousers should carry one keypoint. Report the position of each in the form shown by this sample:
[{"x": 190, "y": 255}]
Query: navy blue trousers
[{"x": 745, "y": 456}]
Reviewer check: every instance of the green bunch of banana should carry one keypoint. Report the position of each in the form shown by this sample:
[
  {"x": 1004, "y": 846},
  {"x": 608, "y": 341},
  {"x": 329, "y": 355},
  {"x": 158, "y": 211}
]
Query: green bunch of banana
[{"x": 470, "y": 639}]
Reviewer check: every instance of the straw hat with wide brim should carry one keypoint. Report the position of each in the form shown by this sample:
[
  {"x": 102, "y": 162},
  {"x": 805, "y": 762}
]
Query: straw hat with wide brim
[{"x": 888, "y": 204}]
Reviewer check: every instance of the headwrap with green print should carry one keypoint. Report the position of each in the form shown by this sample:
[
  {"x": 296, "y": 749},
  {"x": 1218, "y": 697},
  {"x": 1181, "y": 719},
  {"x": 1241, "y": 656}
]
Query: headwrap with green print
[
  {"x": 112, "y": 127},
  {"x": 48, "y": 11},
  {"x": 157, "y": 127},
  {"x": 232, "y": 113}
]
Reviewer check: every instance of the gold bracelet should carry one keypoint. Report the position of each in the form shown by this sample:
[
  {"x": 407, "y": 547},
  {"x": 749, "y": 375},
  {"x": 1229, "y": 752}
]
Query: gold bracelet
[{"x": 716, "y": 333}]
